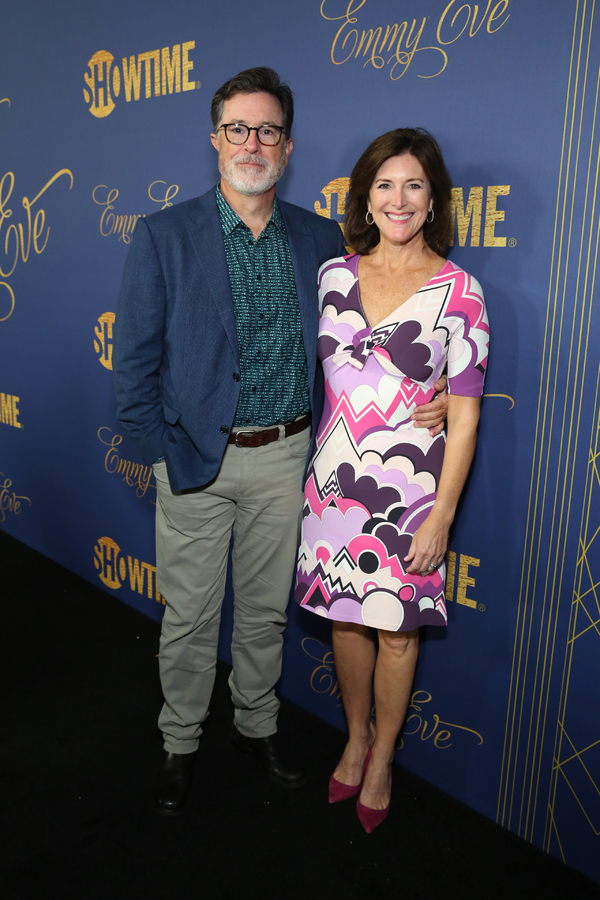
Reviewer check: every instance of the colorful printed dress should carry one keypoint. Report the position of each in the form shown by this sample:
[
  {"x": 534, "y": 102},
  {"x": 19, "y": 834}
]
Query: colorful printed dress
[{"x": 373, "y": 476}]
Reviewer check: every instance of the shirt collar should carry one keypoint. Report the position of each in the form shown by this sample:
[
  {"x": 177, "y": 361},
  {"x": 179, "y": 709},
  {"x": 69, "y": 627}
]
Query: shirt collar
[{"x": 230, "y": 219}]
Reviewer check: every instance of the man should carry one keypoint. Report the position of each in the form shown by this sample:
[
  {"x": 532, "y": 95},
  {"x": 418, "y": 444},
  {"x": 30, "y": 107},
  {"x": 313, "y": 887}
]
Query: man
[{"x": 216, "y": 376}]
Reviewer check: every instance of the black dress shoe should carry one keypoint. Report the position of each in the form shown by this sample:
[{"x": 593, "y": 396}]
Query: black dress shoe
[
  {"x": 268, "y": 754},
  {"x": 173, "y": 782}
]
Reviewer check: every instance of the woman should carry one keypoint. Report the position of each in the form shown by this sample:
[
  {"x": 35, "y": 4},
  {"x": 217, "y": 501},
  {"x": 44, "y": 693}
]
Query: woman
[{"x": 381, "y": 494}]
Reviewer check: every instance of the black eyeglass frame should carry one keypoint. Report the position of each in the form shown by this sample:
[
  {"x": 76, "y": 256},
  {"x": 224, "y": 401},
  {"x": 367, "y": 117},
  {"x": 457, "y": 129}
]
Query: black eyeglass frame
[{"x": 249, "y": 128}]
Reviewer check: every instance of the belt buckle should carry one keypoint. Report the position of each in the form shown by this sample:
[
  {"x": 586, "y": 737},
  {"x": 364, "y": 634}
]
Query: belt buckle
[{"x": 237, "y": 434}]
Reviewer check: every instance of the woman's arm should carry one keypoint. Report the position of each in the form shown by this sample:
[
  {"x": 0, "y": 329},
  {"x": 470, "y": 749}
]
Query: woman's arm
[{"x": 430, "y": 541}]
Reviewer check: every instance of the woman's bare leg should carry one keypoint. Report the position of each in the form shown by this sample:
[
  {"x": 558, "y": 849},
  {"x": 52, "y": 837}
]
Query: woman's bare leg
[
  {"x": 354, "y": 653},
  {"x": 394, "y": 673}
]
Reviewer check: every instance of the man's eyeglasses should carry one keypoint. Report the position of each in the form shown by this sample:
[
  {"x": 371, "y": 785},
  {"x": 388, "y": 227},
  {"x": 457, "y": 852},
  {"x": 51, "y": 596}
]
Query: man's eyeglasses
[{"x": 269, "y": 135}]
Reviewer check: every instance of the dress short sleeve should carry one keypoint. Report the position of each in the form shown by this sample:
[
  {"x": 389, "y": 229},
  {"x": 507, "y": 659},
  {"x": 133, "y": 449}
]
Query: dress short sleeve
[{"x": 467, "y": 323}]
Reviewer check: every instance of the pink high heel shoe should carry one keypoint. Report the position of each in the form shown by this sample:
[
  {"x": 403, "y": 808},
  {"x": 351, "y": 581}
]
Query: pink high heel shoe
[
  {"x": 339, "y": 791},
  {"x": 371, "y": 818}
]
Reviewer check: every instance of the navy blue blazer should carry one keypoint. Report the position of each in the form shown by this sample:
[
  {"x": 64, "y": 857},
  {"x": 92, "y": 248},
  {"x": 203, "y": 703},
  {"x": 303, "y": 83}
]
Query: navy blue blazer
[{"x": 175, "y": 354}]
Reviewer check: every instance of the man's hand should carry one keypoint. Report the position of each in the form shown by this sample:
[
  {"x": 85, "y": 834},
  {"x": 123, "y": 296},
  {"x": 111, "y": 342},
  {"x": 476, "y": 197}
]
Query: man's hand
[{"x": 433, "y": 415}]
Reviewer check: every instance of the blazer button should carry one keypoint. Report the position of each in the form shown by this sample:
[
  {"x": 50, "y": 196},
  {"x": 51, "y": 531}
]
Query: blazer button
[
  {"x": 224, "y": 429},
  {"x": 236, "y": 377}
]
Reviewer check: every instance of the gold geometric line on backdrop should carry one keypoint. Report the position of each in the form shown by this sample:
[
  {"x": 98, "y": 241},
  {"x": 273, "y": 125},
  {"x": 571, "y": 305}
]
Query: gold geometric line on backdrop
[
  {"x": 593, "y": 625},
  {"x": 562, "y": 766},
  {"x": 590, "y": 516},
  {"x": 564, "y": 360},
  {"x": 590, "y": 506},
  {"x": 581, "y": 806},
  {"x": 593, "y": 538},
  {"x": 588, "y": 595},
  {"x": 560, "y": 847},
  {"x": 590, "y": 590},
  {"x": 587, "y": 261},
  {"x": 524, "y": 613},
  {"x": 577, "y": 754}
]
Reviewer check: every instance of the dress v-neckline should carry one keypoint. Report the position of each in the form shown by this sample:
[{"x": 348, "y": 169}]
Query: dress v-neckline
[{"x": 395, "y": 310}]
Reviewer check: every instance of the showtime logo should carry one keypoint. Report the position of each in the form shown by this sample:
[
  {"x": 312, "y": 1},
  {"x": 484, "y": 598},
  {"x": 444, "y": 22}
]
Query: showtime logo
[
  {"x": 473, "y": 215},
  {"x": 114, "y": 570},
  {"x": 163, "y": 71}
]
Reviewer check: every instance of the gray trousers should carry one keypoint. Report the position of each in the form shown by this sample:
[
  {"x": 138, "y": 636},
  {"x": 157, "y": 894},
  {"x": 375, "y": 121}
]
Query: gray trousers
[{"x": 258, "y": 496}]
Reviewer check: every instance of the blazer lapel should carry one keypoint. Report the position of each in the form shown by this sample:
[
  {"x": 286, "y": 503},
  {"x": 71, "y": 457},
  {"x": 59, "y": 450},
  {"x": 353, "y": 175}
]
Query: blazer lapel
[
  {"x": 305, "y": 263},
  {"x": 205, "y": 227}
]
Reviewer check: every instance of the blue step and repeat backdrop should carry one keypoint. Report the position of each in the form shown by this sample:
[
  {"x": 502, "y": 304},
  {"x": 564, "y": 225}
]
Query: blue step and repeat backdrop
[{"x": 104, "y": 117}]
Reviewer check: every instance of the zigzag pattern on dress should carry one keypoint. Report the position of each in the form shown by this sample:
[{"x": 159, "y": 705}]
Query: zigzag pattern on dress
[{"x": 373, "y": 476}]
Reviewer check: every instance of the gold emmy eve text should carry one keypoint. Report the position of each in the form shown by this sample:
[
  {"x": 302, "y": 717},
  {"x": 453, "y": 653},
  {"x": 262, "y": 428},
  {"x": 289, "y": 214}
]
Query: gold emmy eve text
[
  {"x": 9, "y": 410},
  {"x": 416, "y": 724},
  {"x": 19, "y": 239},
  {"x": 114, "y": 570},
  {"x": 397, "y": 44},
  {"x": 324, "y": 681},
  {"x": 134, "y": 474},
  {"x": 111, "y": 223},
  {"x": 166, "y": 70},
  {"x": 322, "y": 678},
  {"x": 10, "y": 502}
]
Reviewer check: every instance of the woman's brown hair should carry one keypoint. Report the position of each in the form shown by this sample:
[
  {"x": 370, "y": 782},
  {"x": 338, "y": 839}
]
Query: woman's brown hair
[{"x": 420, "y": 144}]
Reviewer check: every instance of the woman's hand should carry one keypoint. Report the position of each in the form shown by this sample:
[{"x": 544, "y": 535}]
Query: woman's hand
[
  {"x": 433, "y": 415},
  {"x": 428, "y": 546}
]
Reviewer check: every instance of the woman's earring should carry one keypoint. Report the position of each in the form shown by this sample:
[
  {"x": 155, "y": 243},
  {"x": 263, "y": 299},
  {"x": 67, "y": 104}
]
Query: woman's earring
[
  {"x": 432, "y": 214},
  {"x": 369, "y": 213}
]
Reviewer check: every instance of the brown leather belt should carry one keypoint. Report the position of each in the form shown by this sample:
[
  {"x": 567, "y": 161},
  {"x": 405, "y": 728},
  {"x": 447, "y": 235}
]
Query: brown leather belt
[{"x": 268, "y": 435}]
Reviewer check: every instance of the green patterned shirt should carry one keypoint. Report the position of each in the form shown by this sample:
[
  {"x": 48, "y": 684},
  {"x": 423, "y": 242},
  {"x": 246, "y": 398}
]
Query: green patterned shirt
[{"x": 273, "y": 382}]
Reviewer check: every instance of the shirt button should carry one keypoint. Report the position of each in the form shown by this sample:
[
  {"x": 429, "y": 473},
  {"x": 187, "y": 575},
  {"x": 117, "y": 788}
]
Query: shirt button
[
  {"x": 259, "y": 277},
  {"x": 236, "y": 377},
  {"x": 261, "y": 315},
  {"x": 250, "y": 243},
  {"x": 254, "y": 390},
  {"x": 224, "y": 429}
]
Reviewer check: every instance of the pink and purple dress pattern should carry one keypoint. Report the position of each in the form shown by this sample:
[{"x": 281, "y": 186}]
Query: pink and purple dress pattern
[{"x": 373, "y": 476}]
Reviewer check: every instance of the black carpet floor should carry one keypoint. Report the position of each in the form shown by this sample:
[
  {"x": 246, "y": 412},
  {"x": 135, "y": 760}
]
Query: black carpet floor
[{"x": 78, "y": 706}]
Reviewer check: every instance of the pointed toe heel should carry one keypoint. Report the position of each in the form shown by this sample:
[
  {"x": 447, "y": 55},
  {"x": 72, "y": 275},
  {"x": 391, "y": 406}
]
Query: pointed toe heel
[
  {"x": 371, "y": 818},
  {"x": 339, "y": 791}
]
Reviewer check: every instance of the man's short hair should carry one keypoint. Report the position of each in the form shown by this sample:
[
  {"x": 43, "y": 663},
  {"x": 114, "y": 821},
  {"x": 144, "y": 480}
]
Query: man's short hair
[{"x": 260, "y": 80}]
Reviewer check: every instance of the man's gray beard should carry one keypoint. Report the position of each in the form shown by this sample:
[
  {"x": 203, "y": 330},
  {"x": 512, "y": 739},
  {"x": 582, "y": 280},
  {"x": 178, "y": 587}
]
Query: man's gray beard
[{"x": 251, "y": 183}]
